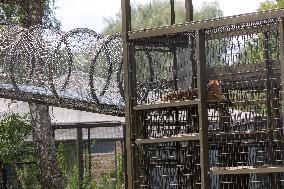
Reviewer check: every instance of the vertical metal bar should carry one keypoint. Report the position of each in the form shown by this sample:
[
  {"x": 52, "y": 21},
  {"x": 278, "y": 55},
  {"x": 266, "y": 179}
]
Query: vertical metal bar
[
  {"x": 89, "y": 153},
  {"x": 115, "y": 158},
  {"x": 124, "y": 157},
  {"x": 267, "y": 78},
  {"x": 126, "y": 18},
  {"x": 173, "y": 15},
  {"x": 126, "y": 26},
  {"x": 202, "y": 108},
  {"x": 175, "y": 67},
  {"x": 269, "y": 115},
  {"x": 188, "y": 11},
  {"x": 80, "y": 161},
  {"x": 281, "y": 48}
]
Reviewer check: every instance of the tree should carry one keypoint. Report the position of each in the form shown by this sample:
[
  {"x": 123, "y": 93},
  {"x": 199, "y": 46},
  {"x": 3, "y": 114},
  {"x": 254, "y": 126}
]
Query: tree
[
  {"x": 50, "y": 176},
  {"x": 253, "y": 50},
  {"x": 29, "y": 12},
  {"x": 157, "y": 14}
]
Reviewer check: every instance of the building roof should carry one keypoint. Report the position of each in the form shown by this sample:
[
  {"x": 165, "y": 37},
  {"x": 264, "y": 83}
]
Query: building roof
[{"x": 63, "y": 116}]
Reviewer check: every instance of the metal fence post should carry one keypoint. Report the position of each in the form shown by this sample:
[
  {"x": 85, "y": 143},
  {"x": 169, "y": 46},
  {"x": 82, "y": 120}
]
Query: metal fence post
[
  {"x": 281, "y": 49},
  {"x": 126, "y": 26},
  {"x": 80, "y": 157}
]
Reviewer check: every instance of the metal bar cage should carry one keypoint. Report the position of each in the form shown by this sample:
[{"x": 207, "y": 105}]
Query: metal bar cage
[{"x": 231, "y": 68}]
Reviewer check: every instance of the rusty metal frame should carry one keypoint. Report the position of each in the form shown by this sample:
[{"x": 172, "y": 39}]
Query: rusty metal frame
[{"x": 238, "y": 24}]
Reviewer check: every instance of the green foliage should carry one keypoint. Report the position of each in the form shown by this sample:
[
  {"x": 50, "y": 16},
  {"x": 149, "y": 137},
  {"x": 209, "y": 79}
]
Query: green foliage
[
  {"x": 28, "y": 174},
  {"x": 67, "y": 163},
  {"x": 208, "y": 10},
  {"x": 49, "y": 18},
  {"x": 254, "y": 48},
  {"x": 158, "y": 13},
  {"x": 68, "y": 167},
  {"x": 103, "y": 183},
  {"x": 119, "y": 173},
  {"x": 72, "y": 179},
  {"x": 271, "y": 4},
  {"x": 13, "y": 131}
]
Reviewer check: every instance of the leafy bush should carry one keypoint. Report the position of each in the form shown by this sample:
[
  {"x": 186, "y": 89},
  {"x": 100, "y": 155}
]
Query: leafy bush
[
  {"x": 68, "y": 167},
  {"x": 14, "y": 130}
]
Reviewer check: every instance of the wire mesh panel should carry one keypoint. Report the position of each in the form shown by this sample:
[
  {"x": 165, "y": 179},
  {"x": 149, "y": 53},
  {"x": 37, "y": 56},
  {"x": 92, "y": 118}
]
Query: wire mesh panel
[
  {"x": 170, "y": 165},
  {"x": 245, "y": 128},
  {"x": 165, "y": 69},
  {"x": 167, "y": 150},
  {"x": 167, "y": 122},
  {"x": 236, "y": 62},
  {"x": 90, "y": 155},
  {"x": 251, "y": 181}
]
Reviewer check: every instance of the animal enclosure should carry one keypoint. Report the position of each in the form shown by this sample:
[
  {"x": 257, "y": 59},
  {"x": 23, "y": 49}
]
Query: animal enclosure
[{"x": 205, "y": 103}]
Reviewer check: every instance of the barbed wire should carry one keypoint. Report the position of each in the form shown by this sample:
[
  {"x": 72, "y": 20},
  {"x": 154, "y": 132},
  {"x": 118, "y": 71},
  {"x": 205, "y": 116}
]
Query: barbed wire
[{"x": 77, "y": 65}]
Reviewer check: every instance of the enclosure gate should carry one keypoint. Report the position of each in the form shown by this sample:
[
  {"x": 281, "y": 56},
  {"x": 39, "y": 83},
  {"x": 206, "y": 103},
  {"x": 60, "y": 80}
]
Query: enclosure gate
[{"x": 203, "y": 103}]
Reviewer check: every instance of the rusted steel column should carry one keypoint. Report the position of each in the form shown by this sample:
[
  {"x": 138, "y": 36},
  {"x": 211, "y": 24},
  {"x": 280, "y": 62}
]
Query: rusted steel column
[
  {"x": 202, "y": 107},
  {"x": 129, "y": 92}
]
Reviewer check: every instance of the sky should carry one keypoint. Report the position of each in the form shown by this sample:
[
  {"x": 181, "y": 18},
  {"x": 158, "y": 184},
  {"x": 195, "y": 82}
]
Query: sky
[{"x": 92, "y": 13}]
